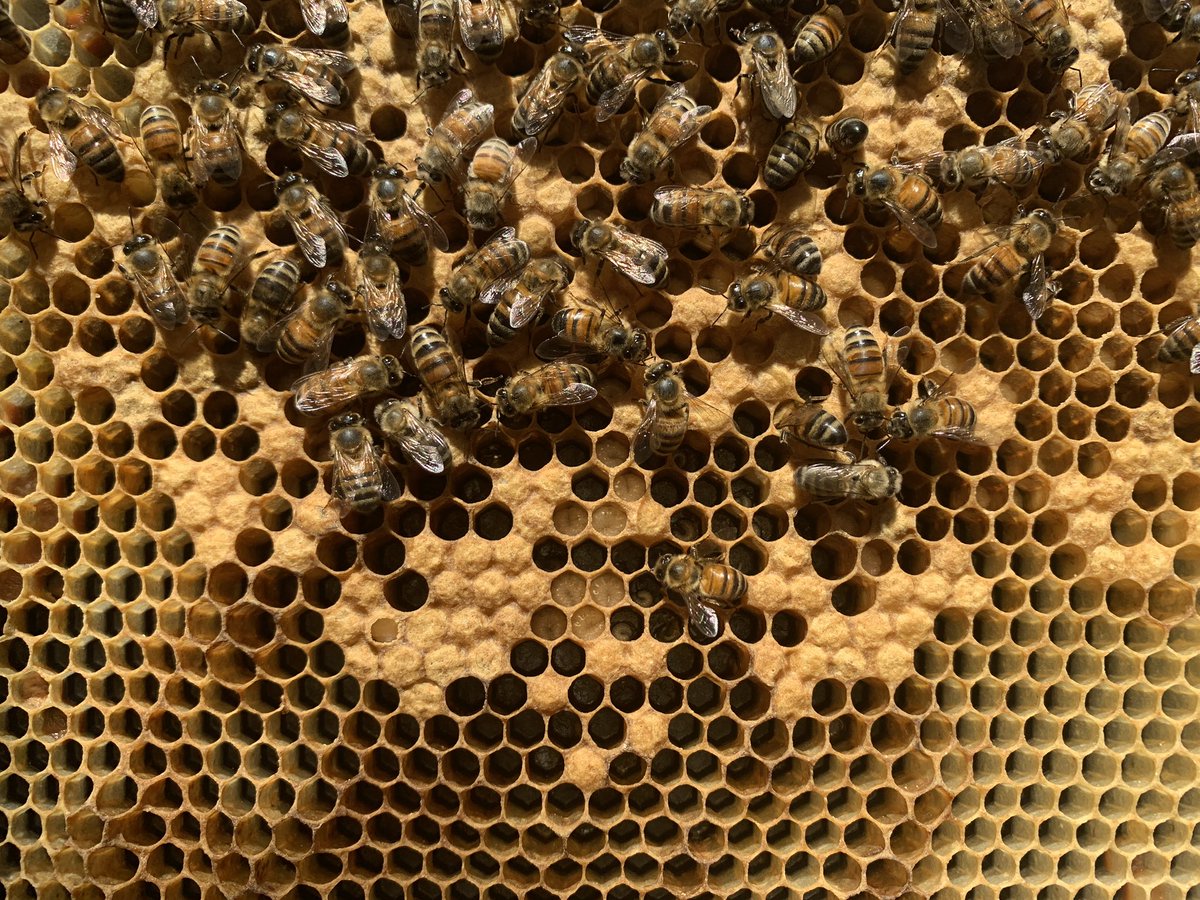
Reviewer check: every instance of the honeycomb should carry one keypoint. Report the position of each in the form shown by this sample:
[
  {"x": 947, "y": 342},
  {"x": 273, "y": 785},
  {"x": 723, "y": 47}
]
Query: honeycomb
[{"x": 988, "y": 687}]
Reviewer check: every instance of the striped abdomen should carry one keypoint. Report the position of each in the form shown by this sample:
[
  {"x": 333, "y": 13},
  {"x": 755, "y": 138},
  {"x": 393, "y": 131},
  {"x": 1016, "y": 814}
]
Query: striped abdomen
[
  {"x": 994, "y": 270},
  {"x": 14, "y": 46},
  {"x": 1183, "y": 336},
  {"x": 219, "y": 250},
  {"x": 918, "y": 196},
  {"x": 863, "y": 355},
  {"x": 1183, "y": 222},
  {"x": 794, "y": 152},
  {"x": 914, "y": 37},
  {"x": 162, "y": 138},
  {"x": 96, "y": 149},
  {"x": 1148, "y": 135},
  {"x": 721, "y": 585},
  {"x": 819, "y": 37},
  {"x": 800, "y": 293},
  {"x": 954, "y": 413}
]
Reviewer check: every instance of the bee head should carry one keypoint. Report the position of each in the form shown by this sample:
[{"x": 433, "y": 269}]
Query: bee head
[
  {"x": 857, "y": 182},
  {"x": 634, "y": 344},
  {"x": 339, "y": 290},
  {"x": 580, "y": 233},
  {"x": 658, "y": 371},
  {"x": 349, "y": 420},
  {"x": 1045, "y": 217},
  {"x": 670, "y": 47},
  {"x": 504, "y": 402},
  {"x": 662, "y": 566},
  {"x": 867, "y": 421},
  {"x": 1191, "y": 76},
  {"x": 899, "y": 426},
  {"x": 292, "y": 179},
  {"x": 394, "y": 372}
]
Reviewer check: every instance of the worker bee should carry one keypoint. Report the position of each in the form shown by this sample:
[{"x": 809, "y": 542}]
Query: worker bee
[
  {"x": 667, "y": 413},
  {"x": 490, "y": 177},
  {"x": 934, "y": 414},
  {"x": 335, "y": 147},
  {"x": 17, "y": 212},
  {"x": 518, "y": 301},
  {"x": 435, "y": 42},
  {"x": 995, "y": 29},
  {"x": 315, "y": 74},
  {"x": 484, "y": 26},
  {"x": 617, "y": 63},
  {"x": 347, "y": 381},
  {"x": 502, "y": 255},
  {"x": 146, "y": 265},
  {"x": 793, "y": 297},
  {"x": 765, "y": 55},
  {"x": 705, "y": 583},
  {"x": 441, "y": 372},
  {"x": 124, "y": 17},
  {"x": 846, "y": 134},
  {"x": 306, "y": 334},
  {"x": 80, "y": 133},
  {"x": 688, "y": 207},
  {"x": 379, "y": 286},
  {"x": 1051, "y": 28},
  {"x": 793, "y": 153},
  {"x": 14, "y": 45},
  {"x": 183, "y": 18},
  {"x": 396, "y": 218},
  {"x": 1092, "y": 110},
  {"x": 1022, "y": 244},
  {"x": 810, "y": 423},
  {"x": 909, "y": 196},
  {"x": 818, "y": 36},
  {"x": 868, "y": 479},
  {"x": 787, "y": 247},
  {"x": 1014, "y": 163},
  {"x": 594, "y": 333},
  {"x": 915, "y": 25},
  {"x": 1130, "y": 151},
  {"x": 866, "y": 369},
  {"x": 464, "y": 124},
  {"x": 558, "y": 383},
  {"x": 414, "y": 434},
  {"x": 1183, "y": 18},
  {"x": 361, "y": 482},
  {"x": 1174, "y": 187},
  {"x": 162, "y": 141},
  {"x": 684, "y": 15},
  {"x": 320, "y": 235},
  {"x": 543, "y": 100},
  {"x": 637, "y": 258},
  {"x": 323, "y": 17},
  {"x": 269, "y": 301},
  {"x": 214, "y": 140},
  {"x": 214, "y": 267},
  {"x": 1183, "y": 342},
  {"x": 676, "y": 118}
]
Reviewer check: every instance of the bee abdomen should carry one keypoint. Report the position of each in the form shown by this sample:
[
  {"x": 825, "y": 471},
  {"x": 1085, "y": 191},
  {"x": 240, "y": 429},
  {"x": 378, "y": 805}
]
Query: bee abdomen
[
  {"x": 722, "y": 585},
  {"x": 993, "y": 271},
  {"x": 101, "y": 154},
  {"x": 794, "y": 152}
]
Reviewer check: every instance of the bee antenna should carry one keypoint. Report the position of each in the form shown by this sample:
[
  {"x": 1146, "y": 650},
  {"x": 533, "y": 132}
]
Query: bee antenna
[{"x": 714, "y": 322}]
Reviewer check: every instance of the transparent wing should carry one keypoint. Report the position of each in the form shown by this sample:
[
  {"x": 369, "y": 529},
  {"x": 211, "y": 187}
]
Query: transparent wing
[
  {"x": 777, "y": 85},
  {"x": 584, "y": 36},
  {"x": 426, "y": 446},
  {"x": 573, "y": 394},
  {"x": 1098, "y": 98},
  {"x": 145, "y": 11},
  {"x": 689, "y": 123},
  {"x": 335, "y": 59},
  {"x": 101, "y": 120},
  {"x": 632, "y": 256},
  {"x": 316, "y": 15},
  {"x": 1194, "y": 361},
  {"x": 314, "y": 89},
  {"x": 387, "y": 312},
  {"x": 433, "y": 231},
  {"x": 641, "y": 437},
  {"x": 1036, "y": 295},
  {"x": 491, "y": 295},
  {"x": 465, "y": 97},
  {"x": 914, "y": 226},
  {"x": 350, "y": 469},
  {"x": 486, "y": 13},
  {"x": 526, "y": 307},
  {"x": 703, "y": 620},
  {"x": 62, "y": 160},
  {"x": 558, "y": 347},
  {"x": 999, "y": 27},
  {"x": 322, "y": 390},
  {"x": 837, "y": 365},
  {"x": 800, "y": 318},
  {"x": 1178, "y": 147},
  {"x": 211, "y": 13},
  {"x": 327, "y": 159},
  {"x": 611, "y": 101},
  {"x": 312, "y": 245},
  {"x": 956, "y": 32},
  {"x": 957, "y": 433},
  {"x": 552, "y": 96}
]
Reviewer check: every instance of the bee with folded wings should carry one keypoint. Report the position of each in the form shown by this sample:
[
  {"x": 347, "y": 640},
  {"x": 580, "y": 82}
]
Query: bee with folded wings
[
  {"x": 554, "y": 384},
  {"x": 519, "y": 300},
  {"x": 546, "y": 95},
  {"x": 1023, "y": 244},
  {"x": 485, "y": 26},
  {"x": 765, "y": 55},
  {"x": 866, "y": 367},
  {"x": 1014, "y": 163},
  {"x": 399, "y": 221},
  {"x": 347, "y": 381},
  {"x": 916, "y": 23},
  {"x": 413, "y": 433},
  {"x": 934, "y": 414},
  {"x": 490, "y": 178},
  {"x": 640, "y": 259},
  {"x": 492, "y": 264},
  {"x": 596, "y": 335},
  {"x": 361, "y": 482},
  {"x": 317, "y": 75},
  {"x": 617, "y": 63},
  {"x": 322, "y": 17},
  {"x": 80, "y": 133},
  {"x": 903, "y": 190},
  {"x": 675, "y": 119},
  {"x": 318, "y": 230},
  {"x": 668, "y": 412},
  {"x": 705, "y": 583},
  {"x": 147, "y": 266},
  {"x": 335, "y": 147},
  {"x": 1183, "y": 342},
  {"x": 1135, "y": 148},
  {"x": 867, "y": 479},
  {"x": 382, "y": 296}
]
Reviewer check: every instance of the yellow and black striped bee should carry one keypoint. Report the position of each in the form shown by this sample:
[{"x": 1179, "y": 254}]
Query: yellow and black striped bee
[
  {"x": 915, "y": 25},
  {"x": 793, "y": 153},
  {"x": 684, "y": 15},
  {"x": 676, "y": 118},
  {"x": 14, "y": 45},
  {"x": 214, "y": 139},
  {"x": 866, "y": 369},
  {"x": 80, "y": 133},
  {"x": 162, "y": 142},
  {"x": 995, "y": 27},
  {"x": 318, "y": 75},
  {"x": 1175, "y": 188},
  {"x": 558, "y": 383},
  {"x": 335, "y": 147},
  {"x": 868, "y": 479},
  {"x": 556, "y": 81},
  {"x": 907, "y": 194},
  {"x": 326, "y": 18},
  {"x": 689, "y": 207},
  {"x": 361, "y": 482},
  {"x": 213, "y": 270},
  {"x": 591, "y": 332},
  {"x": 1183, "y": 342},
  {"x": 306, "y": 334},
  {"x": 147, "y": 266},
  {"x": 1092, "y": 110},
  {"x": 463, "y": 125},
  {"x": 17, "y": 212},
  {"x": 638, "y": 258},
  {"x": 818, "y": 35},
  {"x": 440, "y": 369},
  {"x": 124, "y": 17},
  {"x": 409, "y": 430},
  {"x": 794, "y": 298},
  {"x": 1022, "y": 244},
  {"x": 934, "y": 414},
  {"x": 787, "y": 247},
  {"x": 490, "y": 178},
  {"x": 395, "y": 217},
  {"x": 269, "y": 300},
  {"x": 666, "y": 413},
  {"x": 1129, "y": 154},
  {"x": 846, "y": 134},
  {"x": 183, "y": 18},
  {"x": 1014, "y": 163},
  {"x": 345, "y": 382},
  {"x": 810, "y": 423},
  {"x": 765, "y": 57},
  {"x": 436, "y": 54},
  {"x": 379, "y": 287},
  {"x": 705, "y": 583},
  {"x": 519, "y": 300},
  {"x": 617, "y": 63},
  {"x": 319, "y": 232},
  {"x": 485, "y": 27},
  {"x": 502, "y": 255},
  {"x": 1051, "y": 27}
]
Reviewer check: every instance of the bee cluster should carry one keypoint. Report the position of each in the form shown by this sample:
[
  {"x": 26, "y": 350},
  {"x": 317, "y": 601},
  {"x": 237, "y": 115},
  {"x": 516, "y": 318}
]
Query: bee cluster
[{"x": 625, "y": 345}]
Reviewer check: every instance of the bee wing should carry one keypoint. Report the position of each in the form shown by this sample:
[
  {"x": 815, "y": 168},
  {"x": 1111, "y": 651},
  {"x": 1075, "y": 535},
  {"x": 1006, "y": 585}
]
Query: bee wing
[
  {"x": 311, "y": 243},
  {"x": 800, "y": 318},
  {"x": 433, "y": 231},
  {"x": 584, "y": 36},
  {"x": 491, "y": 294},
  {"x": 1097, "y": 98},
  {"x": 777, "y": 85},
  {"x": 463, "y": 98},
  {"x": 911, "y": 223},
  {"x": 573, "y": 394},
  {"x": 625, "y": 256},
  {"x": 1120, "y": 131},
  {"x": 679, "y": 194},
  {"x": 314, "y": 89},
  {"x": 335, "y": 59},
  {"x": 552, "y": 97},
  {"x": 350, "y": 468},
  {"x": 1194, "y": 360},
  {"x": 999, "y": 27},
  {"x": 506, "y": 236},
  {"x": 427, "y": 446},
  {"x": 327, "y": 159},
  {"x": 62, "y": 160},
  {"x": 101, "y": 120},
  {"x": 701, "y": 617},
  {"x": 1177, "y": 148},
  {"x": 387, "y": 312},
  {"x": 526, "y": 307},
  {"x": 489, "y": 18},
  {"x": 316, "y": 15},
  {"x": 558, "y": 347},
  {"x": 145, "y": 11},
  {"x": 957, "y": 433},
  {"x": 641, "y": 437},
  {"x": 1036, "y": 295},
  {"x": 837, "y": 365},
  {"x": 956, "y": 31},
  {"x": 614, "y": 98}
]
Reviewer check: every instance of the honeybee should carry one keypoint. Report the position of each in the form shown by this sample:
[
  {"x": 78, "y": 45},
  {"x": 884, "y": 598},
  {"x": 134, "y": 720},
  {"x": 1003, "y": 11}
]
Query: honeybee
[
  {"x": 395, "y": 216},
  {"x": 435, "y": 42},
  {"x": 80, "y": 133},
  {"x": 361, "y": 482},
  {"x": 17, "y": 212},
  {"x": 592, "y": 332},
  {"x": 162, "y": 141},
  {"x": 269, "y": 300},
  {"x": 666, "y": 413},
  {"x": 810, "y": 423},
  {"x": 485, "y": 27},
  {"x": 793, "y": 153},
  {"x": 379, "y": 286},
  {"x": 915, "y": 25},
  {"x": 1092, "y": 110},
  {"x": 464, "y": 124},
  {"x": 441, "y": 372},
  {"x": 490, "y": 177},
  {"x": 347, "y": 381},
  {"x": 14, "y": 46},
  {"x": 1129, "y": 153},
  {"x": 934, "y": 414},
  {"x": 124, "y": 17},
  {"x": 1186, "y": 97},
  {"x": 909, "y": 196},
  {"x": 543, "y": 100},
  {"x": 617, "y": 63},
  {"x": 1048, "y": 21},
  {"x": 502, "y": 255},
  {"x": 414, "y": 434},
  {"x": 183, "y": 18},
  {"x": 684, "y": 15},
  {"x": 322, "y": 17},
  {"x": 214, "y": 267},
  {"x": 705, "y": 584},
  {"x": 519, "y": 301},
  {"x": 336, "y": 147},
  {"x": 846, "y": 134},
  {"x": 675, "y": 119},
  {"x": 868, "y": 479},
  {"x": 793, "y": 297},
  {"x": 306, "y": 334},
  {"x": 638, "y": 258},
  {"x": 688, "y": 207},
  {"x": 1183, "y": 342},
  {"x": 1014, "y": 163},
  {"x": 866, "y": 369},
  {"x": 554, "y": 384},
  {"x": 214, "y": 140},
  {"x": 790, "y": 249},
  {"x": 765, "y": 55},
  {"x": 316, "y": 74},
  {"x": 148, "y": 268},
  {"x": 1024, "y": 243},
  {"x": 1174, "y": 187},
  {"x": 818, "y": 36},
  {"x": 321, "y": 237}
]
